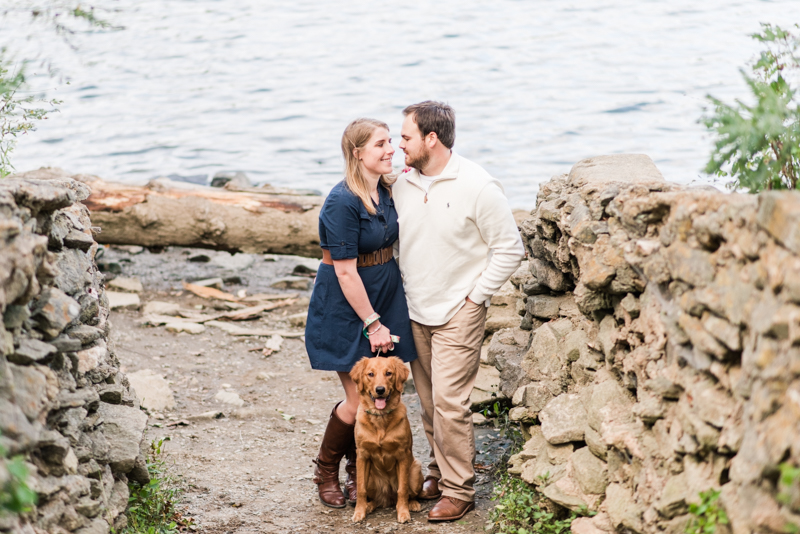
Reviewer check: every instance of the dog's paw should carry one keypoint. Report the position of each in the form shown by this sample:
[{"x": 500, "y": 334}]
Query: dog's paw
[
  {"x": 358, "y": 516},
  {"x": 414, "y": 506},
  {"x": 403, "y": 516}
]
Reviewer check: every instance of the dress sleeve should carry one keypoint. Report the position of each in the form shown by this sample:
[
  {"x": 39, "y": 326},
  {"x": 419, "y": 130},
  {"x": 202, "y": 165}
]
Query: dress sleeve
[{"x": 340, "y": 217}]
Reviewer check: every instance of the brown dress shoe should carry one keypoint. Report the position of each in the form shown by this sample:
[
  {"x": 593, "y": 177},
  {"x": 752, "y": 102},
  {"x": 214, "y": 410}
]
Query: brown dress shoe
[
  {"x": 450, "y": 509},
  {"x": 430, "y": 489}
]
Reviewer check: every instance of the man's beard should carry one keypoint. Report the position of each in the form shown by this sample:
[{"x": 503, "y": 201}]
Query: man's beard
[{"x": 420, "y": 160}]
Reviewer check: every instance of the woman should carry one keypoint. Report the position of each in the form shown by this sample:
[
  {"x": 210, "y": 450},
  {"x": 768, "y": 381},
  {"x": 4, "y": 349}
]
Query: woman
[{"x": 358, "y": 306}]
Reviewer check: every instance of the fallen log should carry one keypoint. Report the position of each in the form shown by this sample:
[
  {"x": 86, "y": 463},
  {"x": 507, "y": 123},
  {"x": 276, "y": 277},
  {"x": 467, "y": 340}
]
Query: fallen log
[
  {"x": 170, "y": 213},
  {"x": 167, "y": 213}
]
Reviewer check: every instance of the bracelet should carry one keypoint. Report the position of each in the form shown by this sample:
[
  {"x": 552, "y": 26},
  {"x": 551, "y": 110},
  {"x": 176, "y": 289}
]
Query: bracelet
[
  {"x": 371, "y": 319},
  {"x": 368, "y": 321},
  {"x": 393, "y": 338}
]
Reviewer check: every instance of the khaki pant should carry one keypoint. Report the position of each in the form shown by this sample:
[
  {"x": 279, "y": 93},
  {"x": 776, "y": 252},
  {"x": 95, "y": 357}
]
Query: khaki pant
[{"x": 444, "y": 373}]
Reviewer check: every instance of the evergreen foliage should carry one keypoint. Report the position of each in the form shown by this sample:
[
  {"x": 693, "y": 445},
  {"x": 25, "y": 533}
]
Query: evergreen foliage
[
  {"x": 20, "y": 112},
  {"x": 758, "y": 144}
]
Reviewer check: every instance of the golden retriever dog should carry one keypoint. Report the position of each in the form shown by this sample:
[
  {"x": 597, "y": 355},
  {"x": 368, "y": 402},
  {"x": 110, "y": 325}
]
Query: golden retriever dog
[{"x": 387, "y": 471}]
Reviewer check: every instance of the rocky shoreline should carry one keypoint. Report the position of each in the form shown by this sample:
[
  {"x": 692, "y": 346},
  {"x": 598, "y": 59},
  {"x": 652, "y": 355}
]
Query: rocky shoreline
[
  {"x": 64, "y": 404},
  {"x": 658, "y": 356}
]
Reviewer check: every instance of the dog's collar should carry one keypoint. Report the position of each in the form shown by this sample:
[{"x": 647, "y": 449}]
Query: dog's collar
[{"x": 382, "y": 412}]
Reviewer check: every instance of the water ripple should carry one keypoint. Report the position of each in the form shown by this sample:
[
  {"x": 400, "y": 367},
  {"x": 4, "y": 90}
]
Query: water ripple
[{"x": 198, "y": 86}]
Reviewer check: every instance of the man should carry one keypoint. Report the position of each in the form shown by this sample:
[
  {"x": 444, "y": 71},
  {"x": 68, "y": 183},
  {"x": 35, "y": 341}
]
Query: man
[{"x": 458, "y": 244}]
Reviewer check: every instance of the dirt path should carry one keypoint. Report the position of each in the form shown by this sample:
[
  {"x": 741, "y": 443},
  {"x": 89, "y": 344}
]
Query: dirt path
[{"x": 250, "y": 471}]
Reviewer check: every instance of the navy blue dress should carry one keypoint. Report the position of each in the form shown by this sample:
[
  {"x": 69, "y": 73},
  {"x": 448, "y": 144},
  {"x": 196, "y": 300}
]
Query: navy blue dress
[{"x": 334, "y": 340}]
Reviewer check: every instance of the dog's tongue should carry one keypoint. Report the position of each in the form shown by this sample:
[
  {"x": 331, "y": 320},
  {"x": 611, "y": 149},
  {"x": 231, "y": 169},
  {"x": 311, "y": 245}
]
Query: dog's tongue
[{"x": 380, "y": 404}]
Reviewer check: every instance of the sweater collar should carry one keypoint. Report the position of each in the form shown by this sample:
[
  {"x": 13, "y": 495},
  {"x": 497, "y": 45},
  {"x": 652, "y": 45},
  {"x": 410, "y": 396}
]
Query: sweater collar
[{"x": 450, "y": 171}]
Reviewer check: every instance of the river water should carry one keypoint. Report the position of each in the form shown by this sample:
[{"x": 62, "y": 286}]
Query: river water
[{"x": 193, "y": 87}]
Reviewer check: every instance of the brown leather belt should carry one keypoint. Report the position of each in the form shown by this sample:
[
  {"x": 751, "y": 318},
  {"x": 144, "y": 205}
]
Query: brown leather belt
[{"x": 379, "y": 257}]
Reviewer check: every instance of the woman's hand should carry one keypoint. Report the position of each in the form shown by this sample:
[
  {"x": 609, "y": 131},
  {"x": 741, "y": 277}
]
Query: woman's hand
[{"x": 380, "y": 340}]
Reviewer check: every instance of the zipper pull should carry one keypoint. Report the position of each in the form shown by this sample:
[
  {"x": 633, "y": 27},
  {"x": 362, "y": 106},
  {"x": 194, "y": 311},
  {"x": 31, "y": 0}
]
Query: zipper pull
[{"x": 426, "y": 198}]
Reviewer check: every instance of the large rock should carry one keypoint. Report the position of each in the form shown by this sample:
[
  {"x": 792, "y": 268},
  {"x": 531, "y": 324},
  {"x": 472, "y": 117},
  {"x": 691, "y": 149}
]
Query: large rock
[
  {"x": 543, "y": 359},
  {"x": 54, "y": 310},
  {"x": 229, "y": 397},
  {"x": 487, "y": 386},
  {"x": 563, "y": 419},
  {"x": 779, "y": 214},
  {"x": 84, "y": 333},
  {"x": 156, "y": 307},
  {"x": 590, "y": 472},
  {"x": 505, "y": 351},
  {"x": 622, "y": 509},
  {"x": 234, "y": 262},
  {"x": 126, "y": 285},
  {"x": 120, "y": 301},
  {"x": 152, "y": 390},
  {"x": 548, "y": 275},
  {"x": 184, "y": 326},
  {"x": 536, "y": 395},
  {"x": 30, "y": 390},
  {"x": 31, "y": 350},
  {"x": 549, "y": 307},
  {"x": 675, "y": 496},
  {"x": 599, "y": 524},
  {"x": 123, "y": 428},
  {"x": 608, "y": 401},
  {"x": 690, "y": 265},
  {"x": 624, "y": 168},
  {"x": 498, "y": 318},
  {"x": 74, "y": 271},
  {"x": 89, "y": 359}
]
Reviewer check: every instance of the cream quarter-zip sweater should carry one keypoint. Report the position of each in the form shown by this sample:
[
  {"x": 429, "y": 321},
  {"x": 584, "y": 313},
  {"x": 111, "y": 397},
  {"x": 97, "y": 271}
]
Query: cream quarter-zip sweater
[{"x": 457, "y": 240}]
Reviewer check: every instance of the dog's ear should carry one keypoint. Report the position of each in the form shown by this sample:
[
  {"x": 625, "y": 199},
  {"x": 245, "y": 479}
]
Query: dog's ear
[
  {"x": 400, "y": 371},
  {"x": 357, "y": 372}
]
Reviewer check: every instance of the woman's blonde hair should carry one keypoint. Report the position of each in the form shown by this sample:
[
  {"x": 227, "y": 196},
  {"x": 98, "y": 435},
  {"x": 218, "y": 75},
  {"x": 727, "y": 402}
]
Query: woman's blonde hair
[{"x": 355, "y": 137}]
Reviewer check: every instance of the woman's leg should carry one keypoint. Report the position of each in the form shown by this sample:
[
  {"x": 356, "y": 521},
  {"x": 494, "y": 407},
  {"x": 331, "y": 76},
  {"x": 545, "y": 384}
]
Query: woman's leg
[
  {"x": 347, "y": 409},
  {"x": 347, "y": 413},
  {"x": 337, "y": 441}
]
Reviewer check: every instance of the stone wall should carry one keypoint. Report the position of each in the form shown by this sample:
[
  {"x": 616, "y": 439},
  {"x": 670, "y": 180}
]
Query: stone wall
[
  {"x": 658, "y": 354},
  {"x": 64, "y": 405}
]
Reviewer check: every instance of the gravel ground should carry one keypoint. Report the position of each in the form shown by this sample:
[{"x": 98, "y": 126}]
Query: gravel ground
[{"x": 250, "y": 470}]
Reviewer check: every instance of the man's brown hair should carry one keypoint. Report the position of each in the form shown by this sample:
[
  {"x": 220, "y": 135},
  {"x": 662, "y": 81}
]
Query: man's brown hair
[{"x": 436, "y": 117}]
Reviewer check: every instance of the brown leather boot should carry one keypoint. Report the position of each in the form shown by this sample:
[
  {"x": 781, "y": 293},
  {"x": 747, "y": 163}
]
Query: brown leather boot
[
  {"x": 351, "y": 483},
  {"x": 335, "y": 442}
]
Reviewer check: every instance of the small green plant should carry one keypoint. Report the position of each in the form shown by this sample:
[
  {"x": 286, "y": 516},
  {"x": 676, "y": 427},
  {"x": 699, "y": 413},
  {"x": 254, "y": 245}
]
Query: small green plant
[
  {"x": 519, "y": 510},
  {"x": 510, "y": 430},
  {"x": 15, "y": 495},
  {"x": 499, "y": 412},
  {"x": 707, "y": 514},
  {"x": 152, "y": 506},
  {"x": 758, "y": 145},
  {"x": 18, "y": 114},
  {"x": 789, "y": 491}
]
